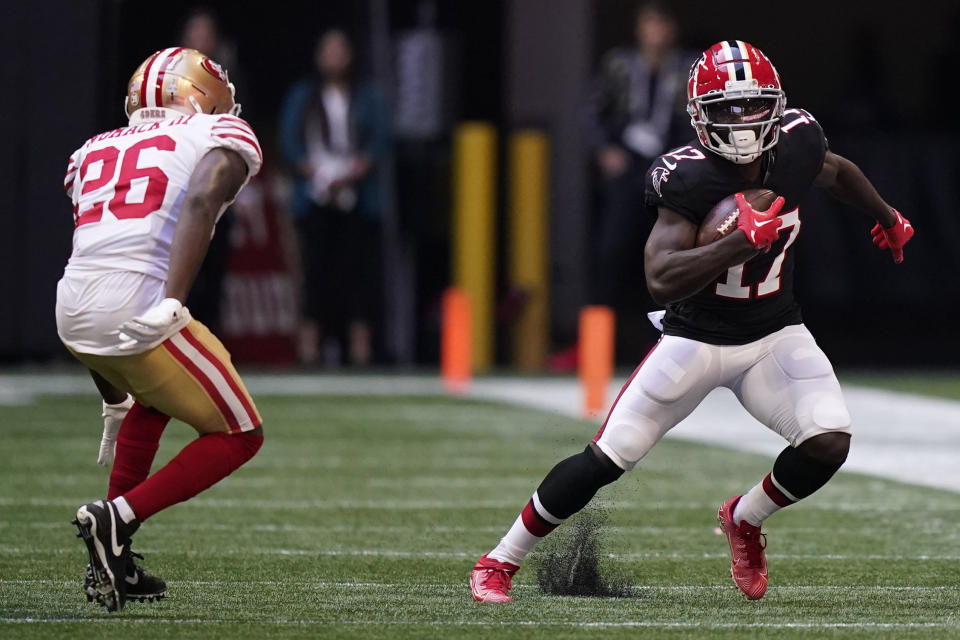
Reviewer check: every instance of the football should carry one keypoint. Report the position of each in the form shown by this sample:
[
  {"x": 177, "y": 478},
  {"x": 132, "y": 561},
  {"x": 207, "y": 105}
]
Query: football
[{"x": 722, "y": 219}]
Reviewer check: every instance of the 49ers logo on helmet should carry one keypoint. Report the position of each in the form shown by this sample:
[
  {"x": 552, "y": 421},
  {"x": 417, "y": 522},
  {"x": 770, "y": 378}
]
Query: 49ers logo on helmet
[{"x": 215, "y": 69}]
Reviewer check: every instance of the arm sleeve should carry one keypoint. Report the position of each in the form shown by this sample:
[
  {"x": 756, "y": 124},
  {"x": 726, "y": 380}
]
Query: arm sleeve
[
  {"x": 819, "y": 142},
  {"x": 664, "y": 187},
  {"x": 235, "y": 134},
  {"x": 801, "y": 131}
]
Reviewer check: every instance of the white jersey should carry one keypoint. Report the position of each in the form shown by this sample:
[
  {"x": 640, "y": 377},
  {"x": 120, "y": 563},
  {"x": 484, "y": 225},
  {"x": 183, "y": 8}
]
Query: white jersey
[{"x": 127, "y": 187}]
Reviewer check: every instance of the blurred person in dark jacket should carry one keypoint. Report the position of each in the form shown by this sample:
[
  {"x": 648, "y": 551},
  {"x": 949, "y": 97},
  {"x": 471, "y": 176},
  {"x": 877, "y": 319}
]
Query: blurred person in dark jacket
[
  {"x": 634, "y": 111},
  {"x": 334, "y": 131}
]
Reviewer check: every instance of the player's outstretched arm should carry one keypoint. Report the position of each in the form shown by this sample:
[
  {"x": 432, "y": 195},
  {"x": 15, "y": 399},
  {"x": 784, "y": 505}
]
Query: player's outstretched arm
[
  {"x": 215, "y": 182},
  {"x": 675, "y": 269},
  {"x": 846, "y": 181}
]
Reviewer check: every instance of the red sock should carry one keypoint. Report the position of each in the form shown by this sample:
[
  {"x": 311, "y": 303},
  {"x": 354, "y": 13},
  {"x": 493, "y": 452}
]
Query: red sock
[
  {"x": 202, "y": 463},
  {"x": 137, "y": 443}
]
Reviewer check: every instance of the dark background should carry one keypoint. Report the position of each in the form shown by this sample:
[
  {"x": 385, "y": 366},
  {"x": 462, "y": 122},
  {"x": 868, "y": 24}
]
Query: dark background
[{"x": 881, "y": 81}]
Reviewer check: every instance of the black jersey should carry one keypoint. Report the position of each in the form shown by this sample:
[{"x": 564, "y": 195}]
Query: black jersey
[{"x": 754, "y": 299}]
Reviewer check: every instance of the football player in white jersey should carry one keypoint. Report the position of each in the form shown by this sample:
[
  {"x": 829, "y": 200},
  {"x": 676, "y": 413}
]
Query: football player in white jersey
[{"x": 146, "y": 199}]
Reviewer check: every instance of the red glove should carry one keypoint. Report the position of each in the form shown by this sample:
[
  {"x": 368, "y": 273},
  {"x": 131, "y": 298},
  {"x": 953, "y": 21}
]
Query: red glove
[
  {"x": 893, "y": 238},
  {"x": 761, "y": 227}
]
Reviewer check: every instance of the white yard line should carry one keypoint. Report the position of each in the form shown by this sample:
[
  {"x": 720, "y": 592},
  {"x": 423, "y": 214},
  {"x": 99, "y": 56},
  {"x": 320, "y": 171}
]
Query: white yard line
[
  {"x": 901, "y": 436},
  {"x": 645, "y": 624},
  {"x": 321, "y": 584},
  {"x": 200, "y": 502},
  {"x": 943, "y": 531},
  {"x": 404, "y": 553}
]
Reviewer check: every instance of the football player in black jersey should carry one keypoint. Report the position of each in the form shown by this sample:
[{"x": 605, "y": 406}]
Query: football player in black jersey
[{"x": 731, "y": 319}]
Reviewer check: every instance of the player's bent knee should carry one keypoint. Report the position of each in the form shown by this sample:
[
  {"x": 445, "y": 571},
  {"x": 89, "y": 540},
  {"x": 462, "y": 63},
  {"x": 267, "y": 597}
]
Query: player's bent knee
[
  {"x": 626, "y": 443},
  {"x": 828, "y": 448},
  {"x": 830, "y": 412},
  {"x": 818, "y": 412},
  {"x": 573, "y": 482},
  {"x": 251, "y": 441},
  {"x": 607, "y": 470}
]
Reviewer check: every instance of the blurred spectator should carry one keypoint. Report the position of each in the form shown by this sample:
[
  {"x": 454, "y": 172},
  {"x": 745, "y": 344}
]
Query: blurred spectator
[
  {"x": 635, "y": 110},
  {"x": 334, "y": 131},
  {"x": 201, "y": 31},
  {"x": 425, "y": 108}
]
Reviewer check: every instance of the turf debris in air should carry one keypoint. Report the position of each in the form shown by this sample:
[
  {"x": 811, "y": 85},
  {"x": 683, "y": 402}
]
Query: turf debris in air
[{"x": 572, "y": 564}]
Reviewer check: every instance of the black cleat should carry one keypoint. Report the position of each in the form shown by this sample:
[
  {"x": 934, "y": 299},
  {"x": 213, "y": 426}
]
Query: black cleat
[
  {"x": 108, "y": 544},
  {"x": 142, "y": 585}
]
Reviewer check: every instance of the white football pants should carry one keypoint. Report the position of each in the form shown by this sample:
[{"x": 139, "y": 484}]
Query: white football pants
[{"x": 784, "y": 380}]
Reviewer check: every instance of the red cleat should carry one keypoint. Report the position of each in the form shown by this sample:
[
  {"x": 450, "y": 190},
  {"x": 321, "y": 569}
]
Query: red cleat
[
  {"x": 748, "y": 565},
  {"x": 490, "y": 580}
]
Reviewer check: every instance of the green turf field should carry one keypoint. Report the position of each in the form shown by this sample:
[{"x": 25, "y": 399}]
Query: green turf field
[
  {"x": 931, "y": 384},
  {"x": 361, "y": 517}
]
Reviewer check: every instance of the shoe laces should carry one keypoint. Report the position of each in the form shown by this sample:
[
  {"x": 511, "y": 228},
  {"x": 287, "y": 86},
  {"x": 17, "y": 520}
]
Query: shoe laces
[
  {"x": 754, "y": 542},
  {"x": 132, "y": 566},
  {"x": 497, "y": 579}
]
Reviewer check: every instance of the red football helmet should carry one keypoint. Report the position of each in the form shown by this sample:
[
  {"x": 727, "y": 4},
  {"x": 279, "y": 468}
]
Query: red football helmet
[{"x": 735, "y": 101}]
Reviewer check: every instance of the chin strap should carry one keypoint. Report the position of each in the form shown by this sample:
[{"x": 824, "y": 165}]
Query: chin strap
[
  {"x": 235, "y": 109},
  {"x": 728, "y": 149}
]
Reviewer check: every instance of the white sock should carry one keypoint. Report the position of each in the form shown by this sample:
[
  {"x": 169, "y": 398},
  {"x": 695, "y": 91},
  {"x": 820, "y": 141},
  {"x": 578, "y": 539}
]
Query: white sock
[
  {"x": 515, "y": 546},
  {"x": 123, "y": 508},
  {"x": 755, "y": 507}
]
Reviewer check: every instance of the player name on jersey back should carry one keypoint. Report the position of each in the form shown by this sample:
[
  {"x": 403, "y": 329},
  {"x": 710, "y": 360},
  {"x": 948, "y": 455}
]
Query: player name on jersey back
[
  {"x": 127, "y": 186},
  {"x": 140, "y": 128}
]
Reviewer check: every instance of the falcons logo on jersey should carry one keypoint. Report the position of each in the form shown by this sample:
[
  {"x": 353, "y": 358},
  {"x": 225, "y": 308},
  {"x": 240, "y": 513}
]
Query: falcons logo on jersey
[{"x": 659, "y": 176}]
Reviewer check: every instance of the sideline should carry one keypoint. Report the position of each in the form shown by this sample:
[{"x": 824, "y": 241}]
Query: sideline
[{"x": 905, "y": 437}]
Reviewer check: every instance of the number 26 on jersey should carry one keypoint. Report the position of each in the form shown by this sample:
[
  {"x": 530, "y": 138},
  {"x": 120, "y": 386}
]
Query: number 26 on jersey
[{"x": 152, "y": 180}]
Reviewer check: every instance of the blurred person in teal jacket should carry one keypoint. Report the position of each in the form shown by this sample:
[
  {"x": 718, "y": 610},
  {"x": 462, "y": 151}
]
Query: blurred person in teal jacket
[{"x": 335, "y": 132}]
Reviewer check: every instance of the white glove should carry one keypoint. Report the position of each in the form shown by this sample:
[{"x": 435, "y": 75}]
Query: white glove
[
  {"x": 113, "y": 415},
  {"x": 154, "y": 324}
]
